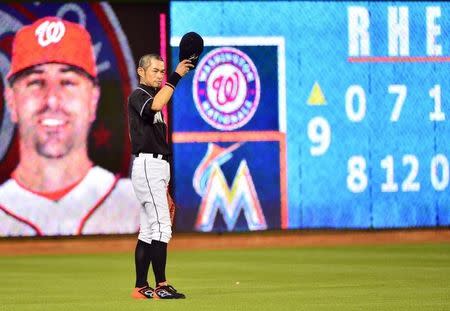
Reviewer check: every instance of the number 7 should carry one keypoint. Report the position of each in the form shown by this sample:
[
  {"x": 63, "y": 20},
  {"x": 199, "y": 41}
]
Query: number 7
[{"x": 401, "y": 91}]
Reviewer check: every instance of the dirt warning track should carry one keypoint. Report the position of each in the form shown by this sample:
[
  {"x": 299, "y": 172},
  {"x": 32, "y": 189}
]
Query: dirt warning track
[{"x": 198, "y": 241}]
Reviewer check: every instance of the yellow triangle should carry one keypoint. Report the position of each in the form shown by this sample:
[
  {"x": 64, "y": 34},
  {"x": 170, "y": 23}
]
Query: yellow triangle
[{"x": 316, "y": 98}]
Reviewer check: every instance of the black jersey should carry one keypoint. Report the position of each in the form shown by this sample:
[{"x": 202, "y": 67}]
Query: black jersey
[{"x": 147, "y": 127}]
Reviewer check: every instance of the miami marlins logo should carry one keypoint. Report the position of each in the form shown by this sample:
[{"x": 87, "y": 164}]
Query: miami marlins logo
[
  {"x": 210, "y": 183},
  {"x": 226, "y": 88}
]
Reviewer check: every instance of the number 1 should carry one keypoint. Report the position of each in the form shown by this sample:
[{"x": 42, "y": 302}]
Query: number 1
[
  {"x": 437, "y": 114},
  {"x": 390, "y": 185}
]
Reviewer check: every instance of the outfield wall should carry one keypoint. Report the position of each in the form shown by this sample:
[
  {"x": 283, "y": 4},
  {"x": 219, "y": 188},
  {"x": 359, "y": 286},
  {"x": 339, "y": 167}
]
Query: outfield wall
[{"x": 299, "y": 115}]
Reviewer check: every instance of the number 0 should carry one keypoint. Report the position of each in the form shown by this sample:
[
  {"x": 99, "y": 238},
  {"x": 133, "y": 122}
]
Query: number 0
[
  {"x": 439, "y": 161},
  {"x": 360, "y": 112}
]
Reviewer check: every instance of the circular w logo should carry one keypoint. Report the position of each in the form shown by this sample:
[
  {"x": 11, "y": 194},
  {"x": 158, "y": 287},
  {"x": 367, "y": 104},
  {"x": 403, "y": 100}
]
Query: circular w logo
[{"x": 49, "y": 32}]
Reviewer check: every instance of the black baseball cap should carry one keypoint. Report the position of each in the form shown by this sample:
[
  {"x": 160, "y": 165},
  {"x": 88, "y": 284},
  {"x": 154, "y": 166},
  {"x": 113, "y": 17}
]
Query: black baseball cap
[{"x": 191, "y": 46}]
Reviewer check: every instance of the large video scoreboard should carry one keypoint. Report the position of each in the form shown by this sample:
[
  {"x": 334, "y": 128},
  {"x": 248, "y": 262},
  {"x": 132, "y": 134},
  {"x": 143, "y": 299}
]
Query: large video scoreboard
[{"x": 360, "y": 99}]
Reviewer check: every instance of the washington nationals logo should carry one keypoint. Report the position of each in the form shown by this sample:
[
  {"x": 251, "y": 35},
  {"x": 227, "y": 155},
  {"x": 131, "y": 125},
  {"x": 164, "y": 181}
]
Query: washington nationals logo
[
  {"x": 50, "y": 32},
  {"x": 226, "y": 88}
]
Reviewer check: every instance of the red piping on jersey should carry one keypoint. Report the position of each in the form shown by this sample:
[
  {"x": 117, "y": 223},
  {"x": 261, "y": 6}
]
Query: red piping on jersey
[
  {"x": 99, "y": 202},
  {"x": 51, "y": 195},
  {"x": 22, "y": 220}
]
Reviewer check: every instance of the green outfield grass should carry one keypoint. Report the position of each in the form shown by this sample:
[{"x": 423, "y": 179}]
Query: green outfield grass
[{"x": 401, "y": 277}]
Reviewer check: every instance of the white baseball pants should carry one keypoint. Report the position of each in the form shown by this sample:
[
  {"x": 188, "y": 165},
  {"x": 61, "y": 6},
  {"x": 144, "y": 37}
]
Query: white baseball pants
[{"x": 150, "y": 178}]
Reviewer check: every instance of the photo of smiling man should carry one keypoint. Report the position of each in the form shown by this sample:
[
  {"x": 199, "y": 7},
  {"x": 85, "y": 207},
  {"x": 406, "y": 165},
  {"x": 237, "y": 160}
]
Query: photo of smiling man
[{"x": 52, "y": 95}]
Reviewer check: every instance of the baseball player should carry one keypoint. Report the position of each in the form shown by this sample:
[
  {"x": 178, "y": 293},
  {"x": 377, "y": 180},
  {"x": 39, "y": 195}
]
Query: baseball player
[
  {"x": 151, "y": 170},
  {"x": 52, "y": 96}
]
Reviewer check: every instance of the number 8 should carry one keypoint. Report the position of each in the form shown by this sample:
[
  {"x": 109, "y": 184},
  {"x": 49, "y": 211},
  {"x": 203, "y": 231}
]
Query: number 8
[{"x": 357, "y": 178}]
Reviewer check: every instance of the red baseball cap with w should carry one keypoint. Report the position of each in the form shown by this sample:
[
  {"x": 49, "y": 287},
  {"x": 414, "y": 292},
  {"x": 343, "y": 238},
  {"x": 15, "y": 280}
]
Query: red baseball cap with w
[{"x": 52, "y": 40}]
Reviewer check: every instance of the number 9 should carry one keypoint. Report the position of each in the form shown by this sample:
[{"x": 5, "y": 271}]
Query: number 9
[{"x": 319, "y": 133}]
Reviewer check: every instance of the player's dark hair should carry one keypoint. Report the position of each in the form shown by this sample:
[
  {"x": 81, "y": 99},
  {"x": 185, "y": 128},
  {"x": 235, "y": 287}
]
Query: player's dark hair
[{"x": 145, "y": 60}]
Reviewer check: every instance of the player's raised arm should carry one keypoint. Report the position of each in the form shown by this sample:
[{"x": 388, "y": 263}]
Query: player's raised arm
[{"x": 164, "y": 95}]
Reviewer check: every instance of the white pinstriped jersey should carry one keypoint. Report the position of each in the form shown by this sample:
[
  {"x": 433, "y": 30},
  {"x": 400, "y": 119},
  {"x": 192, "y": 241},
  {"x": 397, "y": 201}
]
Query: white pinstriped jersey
[{"x": 100, "y": 204}]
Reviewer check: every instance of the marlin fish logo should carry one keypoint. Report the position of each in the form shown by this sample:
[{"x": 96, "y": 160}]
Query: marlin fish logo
[{"x": 210, "y": 183}]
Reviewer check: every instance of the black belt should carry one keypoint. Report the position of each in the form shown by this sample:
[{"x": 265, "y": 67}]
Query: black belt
[{"x": 164, "y": 157}]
